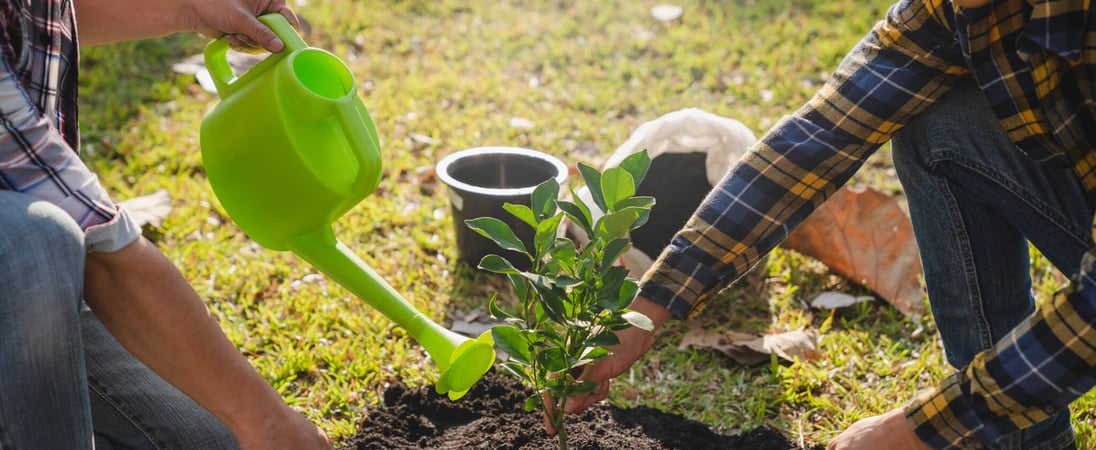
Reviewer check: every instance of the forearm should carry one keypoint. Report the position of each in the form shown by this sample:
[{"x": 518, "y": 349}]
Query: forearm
[
  {"x": 106, "y": 21},
  {"x": 654, "y": 311},
  {"x": 149, "y": 307}
]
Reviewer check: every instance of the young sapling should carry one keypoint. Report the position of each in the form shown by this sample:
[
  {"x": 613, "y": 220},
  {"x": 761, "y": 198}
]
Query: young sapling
[{"x": 573, "y": 298}]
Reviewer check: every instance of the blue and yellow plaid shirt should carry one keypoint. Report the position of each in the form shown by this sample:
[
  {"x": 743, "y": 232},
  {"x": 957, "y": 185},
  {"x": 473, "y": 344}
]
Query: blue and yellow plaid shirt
[{"x": 1035, "y": 62}]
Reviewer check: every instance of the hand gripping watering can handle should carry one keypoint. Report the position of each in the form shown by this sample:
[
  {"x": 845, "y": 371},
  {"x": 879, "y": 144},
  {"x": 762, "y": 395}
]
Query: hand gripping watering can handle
[{"x": 217, "y": 51}]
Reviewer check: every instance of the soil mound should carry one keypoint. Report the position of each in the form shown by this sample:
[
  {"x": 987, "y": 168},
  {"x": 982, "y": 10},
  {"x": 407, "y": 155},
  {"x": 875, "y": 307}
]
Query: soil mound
[{"x": 492, "y": 416}]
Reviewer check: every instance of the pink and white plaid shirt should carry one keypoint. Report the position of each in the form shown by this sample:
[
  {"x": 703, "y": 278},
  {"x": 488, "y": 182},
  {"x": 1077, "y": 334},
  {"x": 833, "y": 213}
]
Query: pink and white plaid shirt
[{"x": 39, "y": 134}]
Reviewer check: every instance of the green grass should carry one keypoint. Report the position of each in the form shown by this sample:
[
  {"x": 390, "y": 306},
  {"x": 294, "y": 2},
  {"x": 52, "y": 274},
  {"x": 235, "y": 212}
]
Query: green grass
[{"x": 586, "y": 74}]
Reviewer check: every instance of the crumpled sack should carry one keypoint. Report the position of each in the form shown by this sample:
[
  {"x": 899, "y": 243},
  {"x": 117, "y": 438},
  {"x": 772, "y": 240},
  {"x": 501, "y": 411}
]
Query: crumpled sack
[{"x": 690, "y": 151}]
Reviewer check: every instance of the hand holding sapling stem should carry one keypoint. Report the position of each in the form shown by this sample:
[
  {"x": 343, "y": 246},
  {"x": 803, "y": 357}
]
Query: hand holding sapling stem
[
  {"x": 634, "y": 342},
  {"x": 890, "y": 430},
  {"x": 573, "y": 300}
]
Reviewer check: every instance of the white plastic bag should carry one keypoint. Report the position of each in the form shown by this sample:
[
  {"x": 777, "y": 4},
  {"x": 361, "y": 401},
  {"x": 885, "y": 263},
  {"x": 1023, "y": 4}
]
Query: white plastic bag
[{"x": 693, "y": 132}]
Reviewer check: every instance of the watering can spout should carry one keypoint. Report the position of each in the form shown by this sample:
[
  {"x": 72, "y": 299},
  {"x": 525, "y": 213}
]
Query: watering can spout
[{"x": 461, "y": 360}]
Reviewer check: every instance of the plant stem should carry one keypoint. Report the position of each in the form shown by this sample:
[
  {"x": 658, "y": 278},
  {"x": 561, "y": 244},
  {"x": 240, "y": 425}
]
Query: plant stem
[{"x": 556, "y": 418}]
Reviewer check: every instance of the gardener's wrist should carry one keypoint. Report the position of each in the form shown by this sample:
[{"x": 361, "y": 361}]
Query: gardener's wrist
[
  {"x": 654, "y": 311},
  {"x": 281, "y": 427}
]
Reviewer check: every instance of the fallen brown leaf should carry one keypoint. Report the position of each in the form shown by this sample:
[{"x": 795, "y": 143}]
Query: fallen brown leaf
[
  {"x": 789, "y": 346},
  {"x": 864, "y": 236},
  {"x": 749, "y": 349}
]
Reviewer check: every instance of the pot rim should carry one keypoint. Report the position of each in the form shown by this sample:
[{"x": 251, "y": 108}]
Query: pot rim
[{"x": 442, "y": 169}]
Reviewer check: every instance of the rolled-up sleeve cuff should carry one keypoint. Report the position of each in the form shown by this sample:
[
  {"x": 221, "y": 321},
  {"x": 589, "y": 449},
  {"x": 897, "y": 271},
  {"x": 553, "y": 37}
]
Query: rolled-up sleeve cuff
[
  {"x": 680, "y": 283},
  {"x": 662, "y": 296},
  {"x": 933, "y": 414},
  {"x": 113, "y": 235}
]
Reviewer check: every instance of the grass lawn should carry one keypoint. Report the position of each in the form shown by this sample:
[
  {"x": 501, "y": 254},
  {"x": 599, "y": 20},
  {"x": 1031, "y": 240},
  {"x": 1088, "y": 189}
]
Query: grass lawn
[{"x": 444, "y": 75}]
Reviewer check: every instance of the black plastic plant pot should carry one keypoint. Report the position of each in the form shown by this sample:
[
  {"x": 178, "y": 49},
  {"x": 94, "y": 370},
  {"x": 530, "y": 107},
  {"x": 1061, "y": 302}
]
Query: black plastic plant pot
[{"x": 482, "y": 180}]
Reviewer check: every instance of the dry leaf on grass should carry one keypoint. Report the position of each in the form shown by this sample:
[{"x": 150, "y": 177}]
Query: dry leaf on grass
[
  {"x": 834, "y": 300},
  {"x": 864, "y": 236},
  {"x": 748, "y": 349}
]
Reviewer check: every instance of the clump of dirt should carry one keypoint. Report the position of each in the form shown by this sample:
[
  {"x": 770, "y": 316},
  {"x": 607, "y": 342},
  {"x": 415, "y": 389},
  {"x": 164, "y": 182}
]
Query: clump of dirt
[{"x": 492, "y": 416}]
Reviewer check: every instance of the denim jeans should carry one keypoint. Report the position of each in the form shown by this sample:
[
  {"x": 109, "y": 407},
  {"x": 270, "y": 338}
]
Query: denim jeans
[
  {"x": 976, "y": 202},
  {"x": 65, "y": 382}
]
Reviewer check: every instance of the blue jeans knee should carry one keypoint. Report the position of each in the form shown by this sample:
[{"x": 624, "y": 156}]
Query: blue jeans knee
[{"x": 41, "y": 272}]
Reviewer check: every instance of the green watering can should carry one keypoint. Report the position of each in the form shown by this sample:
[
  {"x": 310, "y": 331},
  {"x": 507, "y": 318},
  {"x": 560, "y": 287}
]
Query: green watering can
[{"x": 289, "y": 149}]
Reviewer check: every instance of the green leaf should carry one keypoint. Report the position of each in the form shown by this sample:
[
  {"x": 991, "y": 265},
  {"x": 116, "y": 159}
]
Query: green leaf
[
  {"x": 614, "y": 225},
  {"x": 617, "y": 323},
  {"x": 637, "y": 164},
  {"x": 554, "y": 302},
  {"x": 593, "y": 183},
  {"x": 521, "y": 286},
  {"x": 522, "y": 212},
  {"x": 606, "y": 338},
  {"x": 644, "y": 214},
  {"x": 497, "y": 312},
  {"x": 579, "y": 214},
  {"x": 627, "y": 293},
  {"x": 564, "y": 251},
  {"x": 544, "y": 198},
  {"x": 549, "y": 265},
  {"x": 587, "y": 257},
  {"x": 616, "y": 185},
  {"x": 532, "y": 403},
  {"x": 556, "y": 388},
  {"x": 638, "y": 320},
  {"x": 546, "y": 233},
  {"x": 510, "y": 341},
  {"x": 564, "y": 282},
  {"x": 583, "y": 207},
  {"x": 539, "y": 281},
  {"x": 538, "y": 309},
  {"x": 590, "y": 355},
  {"x": 548, "y": 334},
  {"x": 518, "y": 370},
  {"x": 611, "y": 280},
  {"x": 613, "y": 250},
  {"x": 642, "y": 201},
  {"x": 641, "y": 216},
  {"x": 498, "y": 231},
  {"x": 553, "y": 359},
  {"x": 549, "y": 296},
  {"x": 497, "y": 264}
]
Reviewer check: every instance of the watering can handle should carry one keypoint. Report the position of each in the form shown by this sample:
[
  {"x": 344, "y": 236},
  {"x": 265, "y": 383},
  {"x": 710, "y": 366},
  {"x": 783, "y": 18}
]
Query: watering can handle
[
  {"x": 362, "y": 136},
  {"x": 217, "y": 51}
]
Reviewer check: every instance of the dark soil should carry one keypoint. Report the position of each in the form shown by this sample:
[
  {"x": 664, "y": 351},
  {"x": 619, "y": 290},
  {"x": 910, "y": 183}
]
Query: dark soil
[{"x": 492, "y": 416}]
